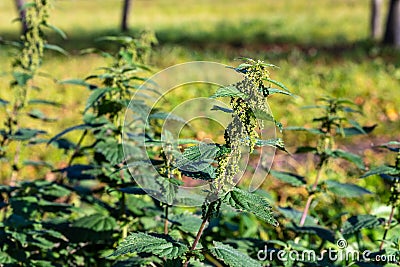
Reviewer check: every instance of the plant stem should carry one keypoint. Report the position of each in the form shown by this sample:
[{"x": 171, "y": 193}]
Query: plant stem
[
  {"x": 311, "y": 196},
  {"x": 387, "y": 227},
  {"x": 201, "y": 229},
  {"x": 166, "y": 220}
]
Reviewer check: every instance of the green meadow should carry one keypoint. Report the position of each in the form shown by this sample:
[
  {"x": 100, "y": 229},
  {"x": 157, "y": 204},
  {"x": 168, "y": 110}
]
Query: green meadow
[{"x": 321, "y": 48}]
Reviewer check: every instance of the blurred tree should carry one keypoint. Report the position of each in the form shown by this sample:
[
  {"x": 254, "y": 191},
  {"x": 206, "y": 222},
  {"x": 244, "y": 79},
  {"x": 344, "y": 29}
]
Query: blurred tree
[
  {"x": 376, "y": 7},
  {"x": 22, "y": 14},
  {"x": 392, "y": 32},
  {"x": 125, "y": 15}
]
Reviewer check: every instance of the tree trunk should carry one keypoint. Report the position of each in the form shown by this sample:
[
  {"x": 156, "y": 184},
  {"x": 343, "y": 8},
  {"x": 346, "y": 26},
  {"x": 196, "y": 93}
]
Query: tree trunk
[
  {"x": 125, "y": 15},
  {"x": 22, "y": 14},
  {"x": 392, "y": 32},
  {"x": 376, "y": 18}
]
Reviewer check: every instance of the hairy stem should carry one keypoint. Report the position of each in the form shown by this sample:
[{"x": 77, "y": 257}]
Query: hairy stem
[
  {"x": 387, "y": 227},
  {"x": 311, "y": 196},
  {"x": 201, "y": 229}
]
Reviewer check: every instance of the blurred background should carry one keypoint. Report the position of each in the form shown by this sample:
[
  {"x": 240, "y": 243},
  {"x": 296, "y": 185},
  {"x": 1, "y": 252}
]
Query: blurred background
[{"x": 342, "y": 48}]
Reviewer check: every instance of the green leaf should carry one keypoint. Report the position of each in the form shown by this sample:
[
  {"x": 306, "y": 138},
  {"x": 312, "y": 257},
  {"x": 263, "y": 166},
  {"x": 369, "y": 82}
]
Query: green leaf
[
  {"x": 390, "y": 145},
  {"x": 381, "y": 170},
  {"x": 3, "y": 102},
  {"x": 323, "y": 233},
  {"x": 232, "y": 257},
  {"x": 226, "y": 110},
  {"x": 95, "y": 96},
  {"x": 24, "y": 134},
  {"x": 57, "y": 30},
  {"x": 97, "y": 222},
  {"x": 159, "y": 245},
  {"x": 78, "y": 82},
  {"x": 252, "y": 203},
  {"x": 56, "y": 48},
  {"x": 356, "y": 223},
  {"x": 37, "y": 114},
  {"x": 306, "y": 149},
  {"x": 346, "y": 190},
  {"x": 263, "y": 115},
  {"x": 295, "y": 216},
  {"x": 44, "y": 102},
  {"x": 228, "y": 91},
  {"x": 357, "y": 131},
  {"x": 21, "y": 78},
  {"x": 112, "y": 151},
  {"x": 272, "y": 91},
  {"x": 165, "y": 116},
  {"x": 353, "y": 158},
  {"x": 287, "y": 177},
  {"x": 310, "y": 130},
  {"x": 6, "y": 259},
  {"x": 276, "y": 142},
  {"x": 186, "y": 222},
  {"x": 279, "y": 84},
  {"x": 37, "y": 163},
  {"x": 73, "y": 128}
]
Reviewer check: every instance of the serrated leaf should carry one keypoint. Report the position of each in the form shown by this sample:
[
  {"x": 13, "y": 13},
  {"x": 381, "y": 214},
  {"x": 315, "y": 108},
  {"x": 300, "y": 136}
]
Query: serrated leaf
[
  {"x": 186, "y": 222},
  {"x": 232, "y": 257},
  {"x": 381, "y": 170},
  {"x": 353, "y": 158},
  {"x": 96, "y": 222},
  {"x": 112, "y": 151},
  {"x": 159, "y": 245},
  {"x": 252, "y": 203},
  {"x": 356, "y": 223},
  {"x": 228, "y": 91},
  {"x": 287, "y": 177},
  {"x": 346, "y": 190}
]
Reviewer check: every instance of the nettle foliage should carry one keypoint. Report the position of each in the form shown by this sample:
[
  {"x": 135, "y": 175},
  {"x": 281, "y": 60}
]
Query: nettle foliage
[
  {"x": 314, "y": 227},
  {"x": 391, "y": 174},
  {"x": 248, "y": 111}
]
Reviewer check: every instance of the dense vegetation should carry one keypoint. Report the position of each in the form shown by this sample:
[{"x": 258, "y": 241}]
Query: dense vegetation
[{"x": 70, "y": 195}]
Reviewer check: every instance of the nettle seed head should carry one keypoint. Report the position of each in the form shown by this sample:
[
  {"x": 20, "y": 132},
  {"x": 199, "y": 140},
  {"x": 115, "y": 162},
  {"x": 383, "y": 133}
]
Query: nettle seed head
[{"x": 242, "y": 131}]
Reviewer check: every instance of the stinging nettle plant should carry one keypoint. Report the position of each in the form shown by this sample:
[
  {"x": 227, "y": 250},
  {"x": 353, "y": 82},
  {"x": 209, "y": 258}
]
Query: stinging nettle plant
[{"x": 248, "y": 111}]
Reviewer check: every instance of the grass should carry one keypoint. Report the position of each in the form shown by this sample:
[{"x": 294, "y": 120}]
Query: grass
[{"x": 321, "y": 48}]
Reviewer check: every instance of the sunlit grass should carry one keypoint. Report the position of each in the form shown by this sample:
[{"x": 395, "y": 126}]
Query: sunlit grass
[{"x": 318, "y": 45}]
